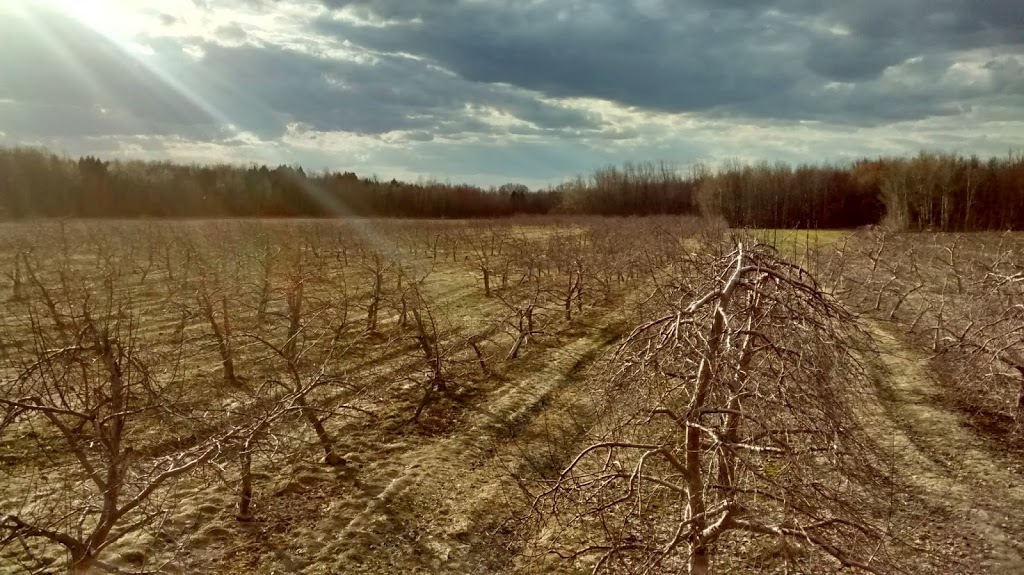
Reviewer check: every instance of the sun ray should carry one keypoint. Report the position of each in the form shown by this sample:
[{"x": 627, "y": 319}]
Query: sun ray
[
  {"x": 120, "y": 22},
  {"x": 113, "y": 19}
]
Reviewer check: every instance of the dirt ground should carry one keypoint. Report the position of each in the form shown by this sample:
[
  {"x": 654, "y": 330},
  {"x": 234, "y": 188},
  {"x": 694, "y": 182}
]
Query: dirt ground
[
  {"x": 441, "y": 496},
  {"x": 437, "y": 504},
  {"x": 980, "y": 489}
]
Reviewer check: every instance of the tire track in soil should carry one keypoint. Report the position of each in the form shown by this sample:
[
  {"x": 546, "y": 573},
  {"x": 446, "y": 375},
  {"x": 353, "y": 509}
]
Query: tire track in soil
[
  {"x": 438, "y": 472},
  {"x": 946, "y": 460}
]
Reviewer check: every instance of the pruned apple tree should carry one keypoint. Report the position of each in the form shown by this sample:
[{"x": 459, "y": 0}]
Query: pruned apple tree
[
  {"x": 89, "y": 417},
  {"x": 731, "y": 423}
]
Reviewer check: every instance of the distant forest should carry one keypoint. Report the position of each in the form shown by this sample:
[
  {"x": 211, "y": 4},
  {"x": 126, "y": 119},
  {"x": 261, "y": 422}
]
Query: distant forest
[{"x": 945, "y": 192}]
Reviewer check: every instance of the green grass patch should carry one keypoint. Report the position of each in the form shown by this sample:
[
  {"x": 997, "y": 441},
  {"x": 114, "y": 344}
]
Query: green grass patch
[{"x": 797, "y": 242}]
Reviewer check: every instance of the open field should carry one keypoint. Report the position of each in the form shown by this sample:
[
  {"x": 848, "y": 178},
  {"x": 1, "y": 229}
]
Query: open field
[{"x": 516, "y": 396}]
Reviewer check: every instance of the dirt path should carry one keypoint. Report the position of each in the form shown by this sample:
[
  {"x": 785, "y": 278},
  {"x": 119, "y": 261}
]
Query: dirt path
[
  {"x": 436, "y": 504},
  {"x": 953, "y": 467},
  {"x": 424, "y": 509}
]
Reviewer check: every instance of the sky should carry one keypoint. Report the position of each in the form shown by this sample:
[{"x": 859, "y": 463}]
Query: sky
[{"x": 530, "y": 91}]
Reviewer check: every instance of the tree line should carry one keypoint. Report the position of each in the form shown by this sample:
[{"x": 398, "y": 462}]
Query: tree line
[
  {"x": 947, "y": 192},
  {"x": 36, "y": 183}
]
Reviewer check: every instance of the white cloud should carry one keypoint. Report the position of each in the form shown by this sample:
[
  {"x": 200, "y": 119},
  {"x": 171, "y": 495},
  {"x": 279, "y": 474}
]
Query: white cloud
[
  {"x": 493, "y": 92},
  {"x": 194, "y": 51}
]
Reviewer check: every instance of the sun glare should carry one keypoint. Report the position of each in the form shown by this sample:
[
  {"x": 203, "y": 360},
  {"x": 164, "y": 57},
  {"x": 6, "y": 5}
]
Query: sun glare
[{"x": 115, "y": 19}]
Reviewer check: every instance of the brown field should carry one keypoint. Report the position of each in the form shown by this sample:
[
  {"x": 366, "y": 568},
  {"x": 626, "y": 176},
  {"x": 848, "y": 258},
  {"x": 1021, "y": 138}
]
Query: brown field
[{"x": 638, "y": 395}]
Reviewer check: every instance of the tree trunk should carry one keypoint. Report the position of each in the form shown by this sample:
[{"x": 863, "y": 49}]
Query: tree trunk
[
  {"x": 514, "y": 353},
  {"x": 261, "y": 308},
  {"x": 226, "y": 350},
  {"x": 1020, "y": 401},
  {"x": 699, "y": 563},
  {"x": 480, "y": 358},
  {"x": 82, "y": 563},
  {"x": 16, "y": 288},
  {"x": 223, "y": 336},
  {"x": 245, "y": 489},
  {"x": 371, "y": 313},
  {"x": 294, "y": 321},
  {"x": 330, "y": 457}
]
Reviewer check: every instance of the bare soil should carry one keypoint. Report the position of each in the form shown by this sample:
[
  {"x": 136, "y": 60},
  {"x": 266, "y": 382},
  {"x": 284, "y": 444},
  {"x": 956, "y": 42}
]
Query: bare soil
[
  {"x": 421, "y": 504},
  {"x": 441, "y": 496},
  {"x": 976, "y": 492}
]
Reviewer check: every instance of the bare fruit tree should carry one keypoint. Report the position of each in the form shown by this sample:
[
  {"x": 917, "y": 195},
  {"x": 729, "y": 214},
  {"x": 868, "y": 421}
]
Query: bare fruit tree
[
  {"x": 980, "y": 326},
  {"x": 88, "y": 411},
  {"x": 733, "y": 419},
  {"x": 960, "y": 296}
]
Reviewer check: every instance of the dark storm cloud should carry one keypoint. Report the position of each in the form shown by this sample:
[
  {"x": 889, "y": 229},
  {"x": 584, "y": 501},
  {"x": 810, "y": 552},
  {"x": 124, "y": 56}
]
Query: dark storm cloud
[
  {"x": 278, "y": 86},
  {"x": 763, "y": 58},
  {"x": 850, "y": 58},
  {"x": 607, "y": 51},
  {"x": 439, "y": 69},
  {"x": 79, "y": 84},
  {"x": 884, "y": 33}
]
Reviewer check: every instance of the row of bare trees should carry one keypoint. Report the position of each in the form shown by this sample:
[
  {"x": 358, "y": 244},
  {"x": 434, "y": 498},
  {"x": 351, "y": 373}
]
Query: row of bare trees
[
  {"x": 107, "y": 392},
  {"x": 140, "y": 364},
  {"x": 959, "y": 295},
  {"x": 141, "y": 360},
  {"x": 737, "y": 421},
  {"x": 732, "y": 424}
]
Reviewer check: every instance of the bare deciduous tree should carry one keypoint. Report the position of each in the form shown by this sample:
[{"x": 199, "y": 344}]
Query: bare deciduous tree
[
  {"x": 734, "y": 414},
  {"x": 82, "y": 389}
]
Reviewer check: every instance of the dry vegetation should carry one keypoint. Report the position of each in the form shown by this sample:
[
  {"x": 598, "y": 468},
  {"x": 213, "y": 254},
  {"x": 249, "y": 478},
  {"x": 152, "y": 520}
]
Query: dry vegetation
[
  {"x": 622, "y": 396},
  {"x": 960, "y": 296}
]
